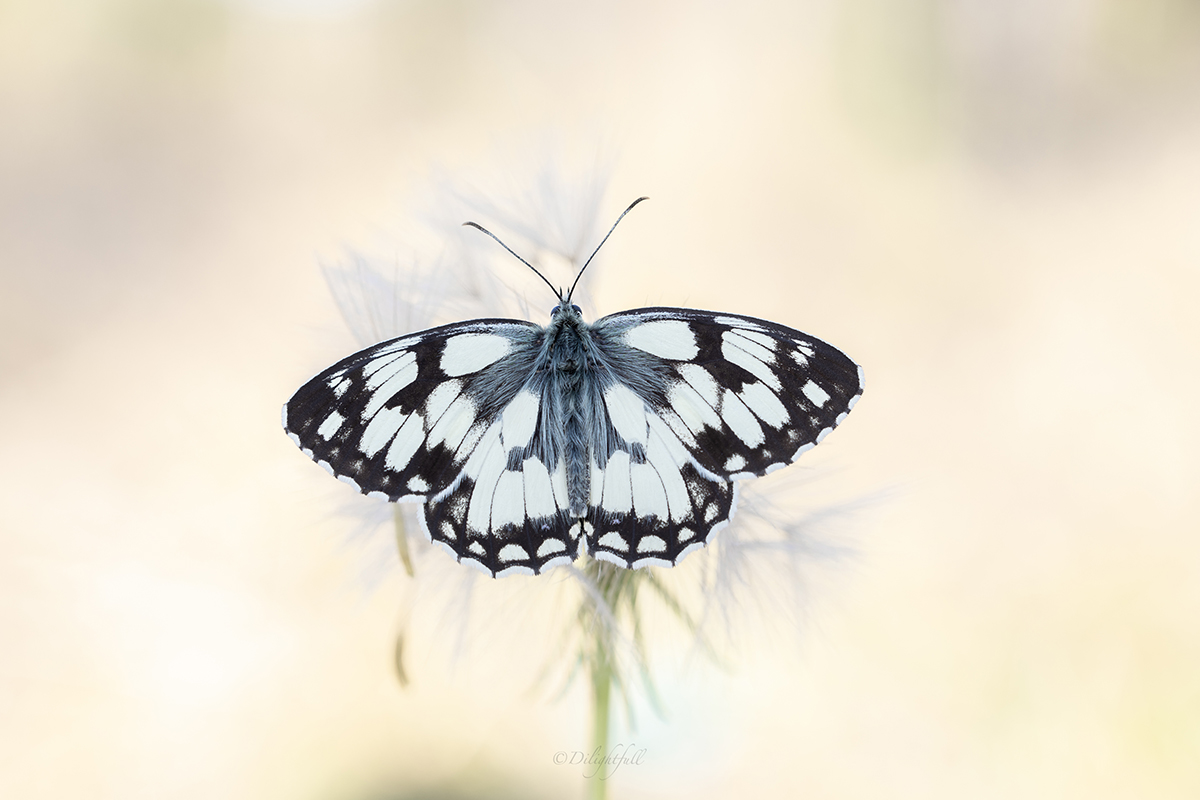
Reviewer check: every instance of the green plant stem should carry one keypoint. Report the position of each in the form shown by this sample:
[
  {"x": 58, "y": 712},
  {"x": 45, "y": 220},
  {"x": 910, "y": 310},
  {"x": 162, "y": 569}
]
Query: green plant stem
[{"x": 597, "y": 785}]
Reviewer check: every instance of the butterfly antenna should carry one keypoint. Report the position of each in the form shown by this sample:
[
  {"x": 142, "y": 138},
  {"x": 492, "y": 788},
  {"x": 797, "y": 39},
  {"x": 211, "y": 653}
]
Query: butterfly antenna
[
  {"x": 602, "y": 241},
  {"x": 477, "y": 226}
]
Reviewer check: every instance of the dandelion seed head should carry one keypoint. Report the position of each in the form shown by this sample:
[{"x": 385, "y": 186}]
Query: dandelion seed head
[
  {"x": 439, "y": 272},
  {"x": 754, "y": 578}
]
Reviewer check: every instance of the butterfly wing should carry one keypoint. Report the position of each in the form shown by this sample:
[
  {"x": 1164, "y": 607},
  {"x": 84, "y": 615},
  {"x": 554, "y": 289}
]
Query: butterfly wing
[
  {"x": 451, "y": 416},
  {"x": 699, "y": 400}
]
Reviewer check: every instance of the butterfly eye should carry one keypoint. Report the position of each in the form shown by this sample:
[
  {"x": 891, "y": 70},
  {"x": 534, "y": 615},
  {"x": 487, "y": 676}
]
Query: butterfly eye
[
  {"x": 553, "y": 311},
  {"x": 577, "y": 309}
]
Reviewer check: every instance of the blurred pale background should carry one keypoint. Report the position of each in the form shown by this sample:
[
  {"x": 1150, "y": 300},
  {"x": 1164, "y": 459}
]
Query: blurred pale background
[{"x": 991, "y": 205}]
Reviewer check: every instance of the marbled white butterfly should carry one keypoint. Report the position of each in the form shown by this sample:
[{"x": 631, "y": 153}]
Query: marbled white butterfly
[{"x": 528, "y": 445}]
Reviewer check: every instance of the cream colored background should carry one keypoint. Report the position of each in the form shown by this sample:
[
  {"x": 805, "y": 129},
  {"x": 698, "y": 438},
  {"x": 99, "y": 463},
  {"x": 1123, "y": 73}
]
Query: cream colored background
[{"x": 991, "y": 205}]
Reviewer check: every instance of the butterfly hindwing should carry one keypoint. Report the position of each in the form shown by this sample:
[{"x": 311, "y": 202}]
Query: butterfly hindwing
[
  {"x": 506, "y": 511},
  {"x": 654, "y": 511}
]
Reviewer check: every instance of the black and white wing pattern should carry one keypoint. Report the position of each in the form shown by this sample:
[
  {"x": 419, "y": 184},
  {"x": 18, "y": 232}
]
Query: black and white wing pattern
[
  {"x": 730, "y": 397},
  {"x": 529, "y": 445},
  {"x": 446, "y": 417}
]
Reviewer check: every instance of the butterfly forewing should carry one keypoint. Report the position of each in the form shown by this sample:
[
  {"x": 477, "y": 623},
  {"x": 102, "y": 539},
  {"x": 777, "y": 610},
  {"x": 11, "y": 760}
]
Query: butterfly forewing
[
  {"x": 743, "y": 395},
  {"x": 402, "y": 417}
]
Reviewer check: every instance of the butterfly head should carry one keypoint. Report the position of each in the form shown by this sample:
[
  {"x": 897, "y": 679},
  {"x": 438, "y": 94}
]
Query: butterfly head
[{"x": 566, "y": 308}]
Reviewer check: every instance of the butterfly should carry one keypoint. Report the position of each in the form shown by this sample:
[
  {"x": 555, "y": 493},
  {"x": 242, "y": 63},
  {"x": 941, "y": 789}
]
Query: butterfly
[{"x": 624, "y": 438}]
